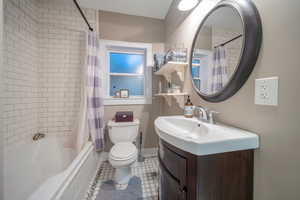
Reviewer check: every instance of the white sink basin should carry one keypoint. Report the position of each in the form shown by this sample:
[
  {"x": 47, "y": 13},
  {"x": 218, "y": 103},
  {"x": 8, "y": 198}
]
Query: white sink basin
[{"x": 200, "y": 138}]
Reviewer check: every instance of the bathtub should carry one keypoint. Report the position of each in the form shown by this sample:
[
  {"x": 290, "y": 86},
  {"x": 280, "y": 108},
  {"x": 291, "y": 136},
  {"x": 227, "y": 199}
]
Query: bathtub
[{"x": 47, "y": 170}]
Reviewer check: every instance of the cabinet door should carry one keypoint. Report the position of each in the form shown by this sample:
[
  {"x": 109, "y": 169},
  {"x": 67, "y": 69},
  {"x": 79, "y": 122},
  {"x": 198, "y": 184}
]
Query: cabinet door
[
  {"x": 175, "y": 164},
  {"x": 169, "y": 187}
]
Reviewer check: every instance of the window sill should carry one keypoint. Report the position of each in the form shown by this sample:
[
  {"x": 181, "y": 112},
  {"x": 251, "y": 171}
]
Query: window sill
[{"x": 127, "y": 101}]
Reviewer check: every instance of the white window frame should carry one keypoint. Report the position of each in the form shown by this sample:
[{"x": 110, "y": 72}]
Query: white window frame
[{"x": 108, "y": 46}]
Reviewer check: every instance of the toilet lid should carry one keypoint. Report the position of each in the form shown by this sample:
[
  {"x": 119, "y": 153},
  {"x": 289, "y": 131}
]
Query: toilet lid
[{"x": 123, "y": 151}]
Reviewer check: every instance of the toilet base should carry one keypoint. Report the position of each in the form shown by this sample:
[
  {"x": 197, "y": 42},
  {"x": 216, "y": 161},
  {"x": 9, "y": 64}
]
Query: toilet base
[{"x": 123, "y": 175}]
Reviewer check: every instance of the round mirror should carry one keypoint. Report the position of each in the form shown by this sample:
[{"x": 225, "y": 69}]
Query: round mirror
[
  {"x": 218, "y": 61},
  {"x": 217, "y": 50}
]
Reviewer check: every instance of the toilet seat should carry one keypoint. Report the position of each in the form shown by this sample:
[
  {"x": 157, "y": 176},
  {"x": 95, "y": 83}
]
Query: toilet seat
[
  {"x": 123, "y": 151},
  {"x": 121, "y": 156}
]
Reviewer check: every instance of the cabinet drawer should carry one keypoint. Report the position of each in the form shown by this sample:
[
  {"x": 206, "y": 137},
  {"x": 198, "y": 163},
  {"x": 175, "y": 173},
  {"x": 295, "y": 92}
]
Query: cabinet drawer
[{"x": 174, "y": 163}]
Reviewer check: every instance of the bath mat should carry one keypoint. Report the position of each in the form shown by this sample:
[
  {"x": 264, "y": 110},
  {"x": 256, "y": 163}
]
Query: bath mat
[{"x": 133, "y": 191}]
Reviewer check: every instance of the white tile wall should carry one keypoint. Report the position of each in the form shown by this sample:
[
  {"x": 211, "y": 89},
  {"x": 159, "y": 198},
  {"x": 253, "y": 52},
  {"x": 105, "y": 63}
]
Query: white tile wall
[
  {"x": 20, "y": 69},
  {"x": 62, "y": 48},
  {"x": 233, "y": 48},
  {"x": 44, "y": 49}
]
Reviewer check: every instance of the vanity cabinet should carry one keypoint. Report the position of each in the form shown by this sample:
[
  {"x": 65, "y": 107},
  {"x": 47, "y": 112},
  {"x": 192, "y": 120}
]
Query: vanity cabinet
[{"x": 223, "y": 176}]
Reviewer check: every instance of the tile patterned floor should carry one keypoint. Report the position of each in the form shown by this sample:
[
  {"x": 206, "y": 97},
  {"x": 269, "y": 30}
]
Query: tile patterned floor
[{"x": 147, "y": 171}]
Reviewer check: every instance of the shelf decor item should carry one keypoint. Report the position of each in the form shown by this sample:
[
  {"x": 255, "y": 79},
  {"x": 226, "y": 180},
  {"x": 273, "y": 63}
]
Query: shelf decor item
[
  {"x": 124, "y": 93},
  {"x": 159, "y": 60},
  {"x": 117, "y": 94},
  {"x": 170, "y": 56},
  {"x": 181, "y": 55},
  {"x": 176, "y": 55}
]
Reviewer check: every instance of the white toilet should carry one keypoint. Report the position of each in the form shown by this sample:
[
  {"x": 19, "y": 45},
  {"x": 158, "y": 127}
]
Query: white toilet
[{"x": 124, "y": 153}]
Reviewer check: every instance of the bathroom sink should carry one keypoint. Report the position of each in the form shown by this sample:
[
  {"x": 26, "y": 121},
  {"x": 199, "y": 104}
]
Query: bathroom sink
[{"x": 201, "y": 138}]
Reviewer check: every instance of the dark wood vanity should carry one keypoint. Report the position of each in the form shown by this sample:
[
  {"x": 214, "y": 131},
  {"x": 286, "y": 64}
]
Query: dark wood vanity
[{"x": 224, "y": 176}]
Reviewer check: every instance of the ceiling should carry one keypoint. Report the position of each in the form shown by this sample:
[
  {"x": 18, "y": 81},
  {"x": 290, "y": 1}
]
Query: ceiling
[{"x": 147, "y": 8}]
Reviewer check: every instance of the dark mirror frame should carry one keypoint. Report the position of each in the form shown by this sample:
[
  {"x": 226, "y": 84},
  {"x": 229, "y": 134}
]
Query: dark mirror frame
[{"x": 251, "y": 46}]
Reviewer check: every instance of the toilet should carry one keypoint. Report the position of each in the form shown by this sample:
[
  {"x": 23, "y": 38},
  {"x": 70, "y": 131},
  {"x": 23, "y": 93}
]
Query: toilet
[{"x": 123, "y": 153}]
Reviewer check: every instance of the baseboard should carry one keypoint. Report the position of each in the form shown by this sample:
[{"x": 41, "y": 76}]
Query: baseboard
[{"x": 146, "y": 152}]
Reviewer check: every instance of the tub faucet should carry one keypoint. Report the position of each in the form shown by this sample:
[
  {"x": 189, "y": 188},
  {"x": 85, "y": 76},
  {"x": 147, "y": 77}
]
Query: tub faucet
[{"x": 38, "y": 136}]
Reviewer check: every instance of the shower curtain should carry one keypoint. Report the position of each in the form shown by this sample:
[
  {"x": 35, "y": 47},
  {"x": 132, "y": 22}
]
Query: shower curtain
[
  {"x": 91, "y": 122},
  {"x": 219, "y": 76}
]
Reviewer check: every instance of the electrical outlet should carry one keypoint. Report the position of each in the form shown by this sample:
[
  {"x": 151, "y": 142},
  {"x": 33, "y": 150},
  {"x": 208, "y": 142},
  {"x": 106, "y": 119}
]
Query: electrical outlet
[{"x": 266, "y": 91}]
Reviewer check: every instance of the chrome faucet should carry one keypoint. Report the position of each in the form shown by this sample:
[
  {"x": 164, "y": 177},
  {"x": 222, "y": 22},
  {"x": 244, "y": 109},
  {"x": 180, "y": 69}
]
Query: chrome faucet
[
  {"x": 211, "y": 116},
  {"x": 206, "y": 115},
  {"x": 203, "y": 114}
]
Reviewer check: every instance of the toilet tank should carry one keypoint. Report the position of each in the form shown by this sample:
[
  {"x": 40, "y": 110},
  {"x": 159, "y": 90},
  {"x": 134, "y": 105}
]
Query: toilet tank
[{"x": 123, "y": 131}]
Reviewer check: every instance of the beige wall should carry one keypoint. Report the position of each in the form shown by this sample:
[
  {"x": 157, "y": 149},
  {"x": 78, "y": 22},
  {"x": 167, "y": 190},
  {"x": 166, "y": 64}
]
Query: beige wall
[
  {"x": 115, "y": 26},
  {"x": 277, "y": 162},
  {"x": 130, "y": 28}
]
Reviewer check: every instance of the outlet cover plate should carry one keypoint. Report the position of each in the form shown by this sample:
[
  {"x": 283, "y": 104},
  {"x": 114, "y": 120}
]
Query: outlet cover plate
[{"x": 266, "y": 91}]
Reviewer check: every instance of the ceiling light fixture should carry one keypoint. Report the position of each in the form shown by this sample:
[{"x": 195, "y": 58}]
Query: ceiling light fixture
[{"x": 185, "y": 5}]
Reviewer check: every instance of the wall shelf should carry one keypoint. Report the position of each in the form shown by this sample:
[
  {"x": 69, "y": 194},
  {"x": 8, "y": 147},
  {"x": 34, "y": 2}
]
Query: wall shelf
[
  {"x": 170, "y": 67},
  {"x": 171, "y": 94},
  {"x": 179, "y": 97}
]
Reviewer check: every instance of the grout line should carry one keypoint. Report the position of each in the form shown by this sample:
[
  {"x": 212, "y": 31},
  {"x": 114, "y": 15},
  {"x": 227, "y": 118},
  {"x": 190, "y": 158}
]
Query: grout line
[{"x": 145, "y": 171}]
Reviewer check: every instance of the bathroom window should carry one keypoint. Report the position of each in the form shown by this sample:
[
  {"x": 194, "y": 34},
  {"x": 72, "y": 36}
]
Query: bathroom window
[
  {"x": 127, "y": 72},
  {"x": 196, "y": 72},
  {"x": 127, "y": 66}
]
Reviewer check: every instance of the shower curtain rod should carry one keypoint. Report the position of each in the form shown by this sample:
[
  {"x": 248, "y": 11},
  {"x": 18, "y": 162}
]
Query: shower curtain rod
[
  {"x": 83, "y": 16},
  {"x": 229, "y": 41}
]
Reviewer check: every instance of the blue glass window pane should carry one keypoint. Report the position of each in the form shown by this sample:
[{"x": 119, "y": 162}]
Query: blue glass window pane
[
  {"x": 195, "y": 71},
  {"x": 135, "y": 85},
  {"x": 127, "y": 63},
  {"x": 196, "y": 61}
]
